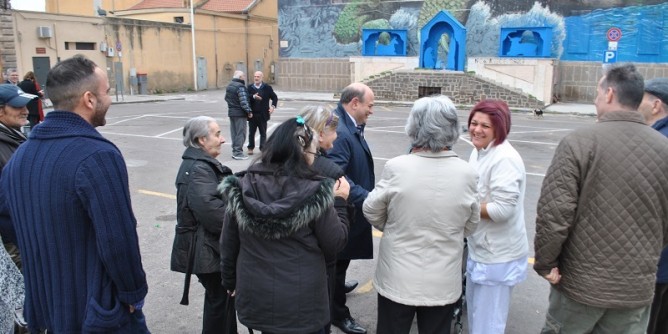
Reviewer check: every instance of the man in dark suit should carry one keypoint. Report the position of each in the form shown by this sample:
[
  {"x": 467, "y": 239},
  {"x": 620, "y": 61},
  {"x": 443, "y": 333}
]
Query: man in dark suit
[
  {"x": 260, "y": 94},
  {"x": 352, "y": 153}
]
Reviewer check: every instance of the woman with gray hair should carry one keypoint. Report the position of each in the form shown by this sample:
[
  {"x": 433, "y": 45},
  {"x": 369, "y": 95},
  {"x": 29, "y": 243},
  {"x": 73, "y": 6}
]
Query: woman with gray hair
[
  {"x": 200, "y": 213},
  {"x": 425, "y": 203}
]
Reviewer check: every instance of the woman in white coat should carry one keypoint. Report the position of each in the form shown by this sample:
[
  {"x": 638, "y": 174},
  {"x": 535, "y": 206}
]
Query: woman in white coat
[
  {"x": 499, "y": 248},
  {"x": 425, "y": 203}
]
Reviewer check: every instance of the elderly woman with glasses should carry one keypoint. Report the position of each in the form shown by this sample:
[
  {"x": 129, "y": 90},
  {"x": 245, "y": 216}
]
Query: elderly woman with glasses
[
  {"x": 425, "y": 203},
  {"x": 199, "y": 215},
  {"x": 283, "y": 220},
  {"x": 499, "y": 248}
]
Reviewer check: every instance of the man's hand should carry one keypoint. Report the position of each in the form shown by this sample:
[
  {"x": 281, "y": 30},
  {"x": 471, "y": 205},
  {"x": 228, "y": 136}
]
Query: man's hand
[
  {"x": 257, "y": 97},
  {"x": 271, "y": 109},
  {"x": 554, "y": 276},
  {"x": 250, "y": 115}
]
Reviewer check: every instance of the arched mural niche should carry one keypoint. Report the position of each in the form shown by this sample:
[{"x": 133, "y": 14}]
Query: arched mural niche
[
  {"x": 525, "y": 42},
  {"x": 384, "y": 42},
  {"x": 443, "y": 43}
]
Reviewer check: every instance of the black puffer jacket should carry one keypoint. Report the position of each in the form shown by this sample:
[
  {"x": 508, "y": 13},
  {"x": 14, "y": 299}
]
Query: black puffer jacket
[
  {"x": 200, "y": 212},
  {"x": 236, "y": 97},
  {"x": 278, "y": 231}
]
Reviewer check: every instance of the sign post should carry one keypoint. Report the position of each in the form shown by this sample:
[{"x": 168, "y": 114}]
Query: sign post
[{"x": 613, "y": 35}]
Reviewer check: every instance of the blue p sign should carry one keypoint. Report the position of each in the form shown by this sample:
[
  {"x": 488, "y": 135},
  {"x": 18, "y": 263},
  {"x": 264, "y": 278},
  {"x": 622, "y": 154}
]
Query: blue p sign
[{"x": 609, "y": 57}]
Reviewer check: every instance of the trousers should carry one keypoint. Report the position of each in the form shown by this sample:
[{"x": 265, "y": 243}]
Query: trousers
[
  {"x": 396, "y": 318},
  {"x": 565, "y": 315},
  {"x": 238, "y": 133},
  {"x": 215, "y": 313}
]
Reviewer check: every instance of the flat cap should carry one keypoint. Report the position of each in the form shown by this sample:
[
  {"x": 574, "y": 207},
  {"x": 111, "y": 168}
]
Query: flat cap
[{"x": 658, "y": 87}]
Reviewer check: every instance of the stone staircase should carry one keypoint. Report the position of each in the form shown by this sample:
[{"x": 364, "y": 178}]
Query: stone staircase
[{"x": 462, "y": 88}]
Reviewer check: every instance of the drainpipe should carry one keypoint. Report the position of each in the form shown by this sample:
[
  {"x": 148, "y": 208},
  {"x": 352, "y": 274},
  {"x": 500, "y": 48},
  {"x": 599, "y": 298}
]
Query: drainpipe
[
  {"x": 192, "y": 32},
  {"x": 246, "y": 27}
]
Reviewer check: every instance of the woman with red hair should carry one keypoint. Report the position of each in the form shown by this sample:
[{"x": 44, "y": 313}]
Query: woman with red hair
[{"x": 499, "y": 248}]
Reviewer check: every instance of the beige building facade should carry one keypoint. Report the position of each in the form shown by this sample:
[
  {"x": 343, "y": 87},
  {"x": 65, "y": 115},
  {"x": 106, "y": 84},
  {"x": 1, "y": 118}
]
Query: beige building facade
[{"x": 151, "y": 49}]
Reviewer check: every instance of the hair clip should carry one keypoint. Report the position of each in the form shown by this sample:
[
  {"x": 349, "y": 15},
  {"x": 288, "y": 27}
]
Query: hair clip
[{"x": 300, "y": 120}]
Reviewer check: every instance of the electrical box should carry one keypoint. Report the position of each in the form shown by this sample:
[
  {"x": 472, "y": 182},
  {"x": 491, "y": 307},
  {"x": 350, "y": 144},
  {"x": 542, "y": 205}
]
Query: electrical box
[{"x": 44, "y": 32}]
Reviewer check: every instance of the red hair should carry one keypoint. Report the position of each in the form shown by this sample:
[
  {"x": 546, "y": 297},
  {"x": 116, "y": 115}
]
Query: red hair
[{"x": 499, "y": 114}]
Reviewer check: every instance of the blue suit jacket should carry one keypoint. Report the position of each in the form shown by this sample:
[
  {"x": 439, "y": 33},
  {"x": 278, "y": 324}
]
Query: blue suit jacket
[{"x": 352, "y": 153}]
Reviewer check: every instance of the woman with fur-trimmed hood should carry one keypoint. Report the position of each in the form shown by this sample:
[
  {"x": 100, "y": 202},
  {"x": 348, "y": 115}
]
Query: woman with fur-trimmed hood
[{"x": 282, "y": 221}]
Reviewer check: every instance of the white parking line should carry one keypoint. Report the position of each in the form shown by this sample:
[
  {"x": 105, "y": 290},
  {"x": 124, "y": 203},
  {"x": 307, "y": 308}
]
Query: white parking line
[{"x": 168, "y": 132}]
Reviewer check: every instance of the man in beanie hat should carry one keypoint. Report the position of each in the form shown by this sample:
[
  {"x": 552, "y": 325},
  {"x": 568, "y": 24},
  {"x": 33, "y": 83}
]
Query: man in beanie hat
[{"x": 654, "y": 107}]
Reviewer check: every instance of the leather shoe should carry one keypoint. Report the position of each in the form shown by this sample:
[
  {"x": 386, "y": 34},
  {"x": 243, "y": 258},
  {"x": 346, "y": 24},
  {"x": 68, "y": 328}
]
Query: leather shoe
[
  {"x": 350, "y": 286},
  {"x": 349, "y": 326}
]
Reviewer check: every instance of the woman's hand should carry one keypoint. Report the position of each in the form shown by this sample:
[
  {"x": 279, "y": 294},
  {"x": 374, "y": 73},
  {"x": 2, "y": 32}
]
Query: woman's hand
[{"x": 342, "y": 188}]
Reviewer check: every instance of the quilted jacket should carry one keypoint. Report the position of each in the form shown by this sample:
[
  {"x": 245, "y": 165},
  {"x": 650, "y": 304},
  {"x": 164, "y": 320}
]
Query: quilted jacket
[{"x": 603, "y": 212}]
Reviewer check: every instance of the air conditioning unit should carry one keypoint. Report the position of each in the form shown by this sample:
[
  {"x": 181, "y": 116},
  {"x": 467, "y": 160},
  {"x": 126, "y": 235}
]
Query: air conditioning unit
[{"x": 44, "y": 32}]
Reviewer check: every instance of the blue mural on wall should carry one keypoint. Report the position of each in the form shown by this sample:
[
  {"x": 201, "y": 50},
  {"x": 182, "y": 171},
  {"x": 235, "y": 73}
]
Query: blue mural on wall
[
  {"x": 384, "y": 42},
  {"x": 525, "y": 42},
  {"x": 644, "y": 34},
  {"x": 443, "y": 43}
]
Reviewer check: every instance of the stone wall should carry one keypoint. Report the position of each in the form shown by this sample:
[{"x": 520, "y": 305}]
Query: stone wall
[
  {"x": 313, "y": 74},
  {"x": 577, "y": 80},
  {"x": 7, "y": 43},
  {"x": 462, "y": 88}
]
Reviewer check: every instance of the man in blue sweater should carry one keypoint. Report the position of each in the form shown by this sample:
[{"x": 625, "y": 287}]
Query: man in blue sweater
[
  {"x": 65, "y": 195},
  {"x": 654, "y": 107}
]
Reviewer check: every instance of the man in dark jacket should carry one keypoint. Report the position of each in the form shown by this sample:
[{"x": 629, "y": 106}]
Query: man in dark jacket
[
  {"x": 74, "y": 222},
  {"x": 239, "y": 112},
  {"x": 200, "y": 213},
  {"x": 263, "y": 102},
  {"x": 655, "y": 110},
  {"x": 352, "y": 153},
  {"x": 13, "y": 115},
  {"x": 601, "y": 221}
]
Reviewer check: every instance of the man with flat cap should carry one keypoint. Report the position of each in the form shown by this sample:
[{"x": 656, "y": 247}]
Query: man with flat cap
[
  {"x": 654, "y": 108},
  {"x": 13, "y": 115}
]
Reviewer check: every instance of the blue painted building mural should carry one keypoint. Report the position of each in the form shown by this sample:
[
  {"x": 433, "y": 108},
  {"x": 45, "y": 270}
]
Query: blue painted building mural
[
  {"x": 644, "y": 34},
  {"x": 333, "y": 28}
]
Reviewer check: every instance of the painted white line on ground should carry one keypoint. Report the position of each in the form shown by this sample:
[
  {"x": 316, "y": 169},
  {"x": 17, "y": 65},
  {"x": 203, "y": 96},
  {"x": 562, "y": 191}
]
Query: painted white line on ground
[
  {"x": 533, "y": 142},
  {"x": 140, "y": 136},
  {"x": 127, "y": 119},
  {"x": 539, "y": 131},
  {"x": 385, "y": 127},
  {"x": 168, "y": 132}
]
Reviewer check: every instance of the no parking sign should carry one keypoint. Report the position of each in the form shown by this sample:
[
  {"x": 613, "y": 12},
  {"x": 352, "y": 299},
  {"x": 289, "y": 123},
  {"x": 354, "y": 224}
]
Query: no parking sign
[{"x": 614, "y": 34}]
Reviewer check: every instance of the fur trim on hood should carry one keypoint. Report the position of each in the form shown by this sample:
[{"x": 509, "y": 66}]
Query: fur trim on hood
[{"x": 308, "y": 209}]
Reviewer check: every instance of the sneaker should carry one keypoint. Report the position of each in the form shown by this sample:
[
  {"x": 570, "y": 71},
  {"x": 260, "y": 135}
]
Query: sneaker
[{"x": 240, "y": 157}]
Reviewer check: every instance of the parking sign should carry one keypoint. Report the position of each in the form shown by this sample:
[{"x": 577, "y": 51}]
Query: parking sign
[{"x": 609, "y": 57}]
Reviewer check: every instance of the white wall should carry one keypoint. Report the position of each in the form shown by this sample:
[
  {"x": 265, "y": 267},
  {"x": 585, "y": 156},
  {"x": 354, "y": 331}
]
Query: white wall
[{"x": 533, "y": 76}]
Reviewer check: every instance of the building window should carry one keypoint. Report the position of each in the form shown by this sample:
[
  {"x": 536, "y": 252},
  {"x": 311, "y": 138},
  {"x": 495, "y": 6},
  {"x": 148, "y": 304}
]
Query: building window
[
  {"x": 79, "y": 46},
  {"x": 178, "y": 19}
]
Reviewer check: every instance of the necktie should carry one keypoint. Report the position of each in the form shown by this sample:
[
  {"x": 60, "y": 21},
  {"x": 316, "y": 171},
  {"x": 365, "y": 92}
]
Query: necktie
[{"x": 360, "y": 129}]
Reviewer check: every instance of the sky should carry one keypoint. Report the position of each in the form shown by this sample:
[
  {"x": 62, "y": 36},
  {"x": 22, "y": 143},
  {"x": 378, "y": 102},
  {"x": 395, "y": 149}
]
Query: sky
[{"x": 34, "y": 5}]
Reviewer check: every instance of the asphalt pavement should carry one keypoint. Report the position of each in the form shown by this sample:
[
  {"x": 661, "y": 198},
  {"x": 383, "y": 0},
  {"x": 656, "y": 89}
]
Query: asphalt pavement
[
  {"x": 557, "y": 108},
  {"x": 147, "y": 129}
]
